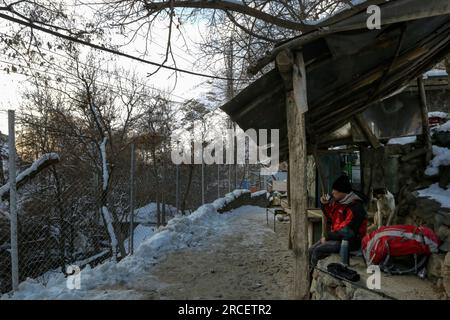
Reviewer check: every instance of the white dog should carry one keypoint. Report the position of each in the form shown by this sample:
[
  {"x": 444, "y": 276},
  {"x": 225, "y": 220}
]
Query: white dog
[{"x": 385, "y": 207}]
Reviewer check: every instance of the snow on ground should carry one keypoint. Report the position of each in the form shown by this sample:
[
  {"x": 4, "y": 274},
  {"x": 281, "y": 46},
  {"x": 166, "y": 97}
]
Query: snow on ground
[
  {"x": 140, "y": 234},
  {"x": 181, "y": 232},
  {"x": 259, "y": 193},
  {"x": 441, "y": 158},
  {"x": 402, "y": 140},
  {"x": 147, "y": 213},
  {"x": 443, "y": 127},
  {"x": 437, "y": 193}
]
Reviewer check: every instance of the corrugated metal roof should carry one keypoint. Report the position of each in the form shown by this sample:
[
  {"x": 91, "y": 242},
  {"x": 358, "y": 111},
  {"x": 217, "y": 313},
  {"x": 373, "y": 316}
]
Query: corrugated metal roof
[{"x": 349, "y": 70}]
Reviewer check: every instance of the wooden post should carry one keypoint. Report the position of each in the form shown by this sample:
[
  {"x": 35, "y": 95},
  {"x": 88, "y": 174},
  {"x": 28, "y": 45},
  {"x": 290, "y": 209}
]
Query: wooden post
[
  {"x": 322, "y": 186},
  {"x": 13, "y": 200},
  {"x": 132, "y": 170},
  {"x": 295, "y": 115},
  {"x": 424, "y": 112}
]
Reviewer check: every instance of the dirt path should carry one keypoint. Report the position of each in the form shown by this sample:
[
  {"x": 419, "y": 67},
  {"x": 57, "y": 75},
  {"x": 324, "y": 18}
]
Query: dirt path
[{"x": 246, "y": 259}]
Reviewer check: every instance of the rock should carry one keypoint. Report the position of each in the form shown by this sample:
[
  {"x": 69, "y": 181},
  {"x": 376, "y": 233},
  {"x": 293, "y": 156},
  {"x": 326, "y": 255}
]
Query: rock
[
  {"x": 349, "y": 290},
  {"x": 435, "y": 264},
  {"x": 361, "y": 294},
  {"x": 443, "y": 232},
  {"x": 327, "y": 295},
  {"x": 441, "y": 139},
  {"x": 444, "y": 176},
  {"x": 445, "y": 246},
  {"x": 329, "y": 281},
  {"x": 426, "y": 209},
  {"x": 341, "y": 293},
  {"x": 313, "y": 288},
  {"x": 446, "y": 274},
  {"x": 445, "y": 215}
]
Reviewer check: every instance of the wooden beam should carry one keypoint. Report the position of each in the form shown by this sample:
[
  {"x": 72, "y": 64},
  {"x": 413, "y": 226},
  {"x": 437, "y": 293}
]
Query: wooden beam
[
  {"x": 413, "y": 154},
  {"x": 424, "y": 114},
  {"x": 297, "y": 179},
  {"x": 370, "y": 136},
  {"x": 285, "y": 63}
]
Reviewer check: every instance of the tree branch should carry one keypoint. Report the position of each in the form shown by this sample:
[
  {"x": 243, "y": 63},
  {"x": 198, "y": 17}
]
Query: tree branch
[{"x": 225, "y": 5}]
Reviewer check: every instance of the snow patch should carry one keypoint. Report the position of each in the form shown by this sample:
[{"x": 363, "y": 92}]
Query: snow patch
[
  {"x": 104, "y": 163},
  {"x": 148, "y": 213},
  {"x": 109, "y": 224},
  {"x": 259, "y": 193},
  {"x": 31, "y": 169},
  {"x": 443, "y": 127},
  {"x": 180, "y": 232},
  {"x": 437, "y": 193},
  {"x": 441, "y": 158},
  {"x": 402, "y": 140},
  {"x": 435, "y": 73},
  {"x": 140, "y": 234}
]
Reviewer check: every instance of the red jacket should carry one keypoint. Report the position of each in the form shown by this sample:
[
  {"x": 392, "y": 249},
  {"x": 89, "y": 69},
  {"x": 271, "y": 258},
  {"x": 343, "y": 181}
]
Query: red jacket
[{"x": 352, "y": 215}]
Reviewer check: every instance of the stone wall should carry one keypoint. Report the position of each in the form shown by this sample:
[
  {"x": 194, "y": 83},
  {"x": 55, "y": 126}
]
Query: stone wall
[
  {"x": 404, "y": 287},
  {"x": 394, "y": 167},
  {"x": 246, "y": 199},
  {"x": 438, "y": 100},
  {"x": 417, "y": 210},
  {"x": 326, "y": 287}
]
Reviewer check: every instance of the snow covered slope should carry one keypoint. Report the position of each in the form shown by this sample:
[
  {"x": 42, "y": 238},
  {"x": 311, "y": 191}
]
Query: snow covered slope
[{"x": 180, "y": 232}]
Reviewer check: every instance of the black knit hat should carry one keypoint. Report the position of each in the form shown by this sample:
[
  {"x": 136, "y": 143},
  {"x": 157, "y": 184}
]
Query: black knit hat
[{"x": 342, "y": 184}]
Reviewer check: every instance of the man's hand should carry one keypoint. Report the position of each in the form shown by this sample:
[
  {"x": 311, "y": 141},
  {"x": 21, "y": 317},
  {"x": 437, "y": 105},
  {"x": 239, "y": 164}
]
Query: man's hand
[
  {"x": 324, "y": 199},
  {"x": 322, "y": 240}
]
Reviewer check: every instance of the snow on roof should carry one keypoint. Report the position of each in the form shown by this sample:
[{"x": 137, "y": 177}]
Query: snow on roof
[
  {"x": 441, "y": 158},
  {"x": 435, "y": 73},
  {"x": 438, "y": 114},
  {"x": 437, "y": 193},
  {"x": 402, "y": 140}
]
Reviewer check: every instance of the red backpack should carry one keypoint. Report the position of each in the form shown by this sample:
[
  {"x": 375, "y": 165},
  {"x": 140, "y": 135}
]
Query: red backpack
[{"x": 388, "y": 245}]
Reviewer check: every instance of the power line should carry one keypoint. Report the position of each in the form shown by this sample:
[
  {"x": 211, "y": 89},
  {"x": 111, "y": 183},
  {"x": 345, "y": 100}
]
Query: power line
[
  {"x": 177, "y": 111},
  {"x": 112, "y": 51},
  {"x": 100, "y": 69},
  {"x": 98, "y": 83}
]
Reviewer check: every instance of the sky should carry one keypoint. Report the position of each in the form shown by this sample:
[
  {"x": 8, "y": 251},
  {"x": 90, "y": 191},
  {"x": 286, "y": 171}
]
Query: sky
[{"x": 184, "y": 87}]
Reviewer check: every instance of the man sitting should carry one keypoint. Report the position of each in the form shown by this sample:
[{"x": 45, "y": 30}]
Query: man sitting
[{"x": 345, "y": 210}]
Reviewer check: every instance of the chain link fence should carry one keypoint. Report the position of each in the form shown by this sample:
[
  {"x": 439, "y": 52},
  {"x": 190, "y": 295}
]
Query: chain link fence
[{"x": 59, "y": 221}]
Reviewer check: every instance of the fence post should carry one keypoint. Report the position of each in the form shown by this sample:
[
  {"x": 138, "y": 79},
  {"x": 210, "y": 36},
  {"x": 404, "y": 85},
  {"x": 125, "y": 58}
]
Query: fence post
[
  {"x": 229, "y": 178},
  {"x": 203, "y": 179},
  {"x": 218, "y": 180},
  {"x": 177, "y": 200},
  {"x": 132, "y": 170},
  {"x": 13, "y": 200}
]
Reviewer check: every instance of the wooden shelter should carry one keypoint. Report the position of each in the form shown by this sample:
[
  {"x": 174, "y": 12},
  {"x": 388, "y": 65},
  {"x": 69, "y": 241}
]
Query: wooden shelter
[{"x": 327, "y": 77}]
